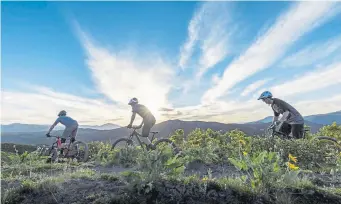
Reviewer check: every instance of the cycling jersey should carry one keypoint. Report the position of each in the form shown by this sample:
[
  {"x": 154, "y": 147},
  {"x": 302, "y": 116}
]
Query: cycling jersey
[
  {"x": 66, "y": 121},
  {"x": 142, "y": 111},
  {"x": 279, "y": 107}
]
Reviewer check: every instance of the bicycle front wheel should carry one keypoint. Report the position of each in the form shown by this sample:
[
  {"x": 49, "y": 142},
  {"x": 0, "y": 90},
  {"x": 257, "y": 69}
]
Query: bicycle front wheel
[
  {"x": 79, "y": 151},
  {"x": 122, "y": 143}
]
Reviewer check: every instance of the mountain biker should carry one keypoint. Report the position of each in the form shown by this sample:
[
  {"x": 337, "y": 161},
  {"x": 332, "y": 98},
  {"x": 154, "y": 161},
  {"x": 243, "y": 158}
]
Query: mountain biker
[
  {"x": 148, "y": 119},
  {"x": 71, "y": 126},
  {"x": 290, "y": 115}
]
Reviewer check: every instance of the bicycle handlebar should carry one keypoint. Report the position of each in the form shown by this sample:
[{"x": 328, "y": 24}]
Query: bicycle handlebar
[
  {"x": 273, "y": 125},
  {"x": 133, "y": 127},
  {"x": 48, "y": 135}
]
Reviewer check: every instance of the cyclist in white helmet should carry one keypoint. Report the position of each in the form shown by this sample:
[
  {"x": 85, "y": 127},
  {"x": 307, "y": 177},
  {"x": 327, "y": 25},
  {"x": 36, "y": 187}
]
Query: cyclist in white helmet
[
  {"x": 148, "y": 118},
  {"x": 71, "y": 126},
  {"x": 289, "y": 114}
]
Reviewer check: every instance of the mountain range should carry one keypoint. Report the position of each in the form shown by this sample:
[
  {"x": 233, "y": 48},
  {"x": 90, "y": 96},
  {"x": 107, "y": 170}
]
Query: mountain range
[
  {"x": 18, "y": 127},
  {"x": 22, "y": 134},
  {"x": 165, "y": 129}
]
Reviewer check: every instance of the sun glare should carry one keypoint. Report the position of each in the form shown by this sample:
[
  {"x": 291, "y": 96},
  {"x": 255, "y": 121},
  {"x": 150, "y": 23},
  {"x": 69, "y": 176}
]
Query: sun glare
[{"x": 154, "y": 106}]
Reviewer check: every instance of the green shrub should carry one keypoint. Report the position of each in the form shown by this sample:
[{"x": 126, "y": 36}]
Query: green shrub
[
  {"x": 310, "y": 154},
  {"x": 178, "y": 138},
  {"x": 262, "y": 169}
]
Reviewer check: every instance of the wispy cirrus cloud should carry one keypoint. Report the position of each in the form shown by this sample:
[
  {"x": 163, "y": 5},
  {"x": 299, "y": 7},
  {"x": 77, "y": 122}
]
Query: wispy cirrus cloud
[
  {"x": 187, "y": 49},
  {"x": 314, "y": 53},
  {"x": 216, "y": 35},
  {"x": 254, "y": 86},
  {"x": 300, "y": 19},
  {"x": 311, "y": 81},
  {"x": 210, "y": 34},
  {"x": 210, "y": 30}
]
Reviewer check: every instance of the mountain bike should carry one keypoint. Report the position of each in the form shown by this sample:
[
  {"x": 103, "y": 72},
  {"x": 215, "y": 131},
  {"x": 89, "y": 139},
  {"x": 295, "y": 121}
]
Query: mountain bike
[
  {"x": 75, "y": 150},
  {"x": 282, "y": 131},
  {"x": 129, "y": 142}
]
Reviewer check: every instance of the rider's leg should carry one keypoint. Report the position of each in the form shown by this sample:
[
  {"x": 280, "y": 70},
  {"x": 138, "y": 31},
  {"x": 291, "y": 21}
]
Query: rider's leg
[
  {"x": 74, "y": 133},
  {"x": 286, "y": 129},
  {"x": 62, "y": 140},
  {"x": 145, "y": 132},
  {"x": 297, "y": 130},
  {"x": 70, "y": 131},
  {"x": 67, "y": 132},
  {"x": 65, "y": 135}
]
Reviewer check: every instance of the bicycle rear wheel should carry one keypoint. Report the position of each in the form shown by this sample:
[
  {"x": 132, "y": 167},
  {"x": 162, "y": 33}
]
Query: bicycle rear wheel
[{"x": 167, "y": 142}]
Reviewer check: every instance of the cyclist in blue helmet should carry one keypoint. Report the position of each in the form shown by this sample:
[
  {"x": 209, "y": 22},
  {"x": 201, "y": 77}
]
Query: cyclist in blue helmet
[{"x": 289, "y": 114}]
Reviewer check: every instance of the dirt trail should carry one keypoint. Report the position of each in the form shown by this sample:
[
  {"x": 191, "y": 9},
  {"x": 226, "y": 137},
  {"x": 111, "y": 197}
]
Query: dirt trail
[
  {"x": 74, "y": 191},
  {"x": 217, "y": 170},
  {"x": 78, "y": 191},
  {"x": 111, "y": 169}
]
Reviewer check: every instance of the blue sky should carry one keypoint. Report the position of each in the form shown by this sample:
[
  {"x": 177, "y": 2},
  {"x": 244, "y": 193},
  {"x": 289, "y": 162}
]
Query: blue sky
[{"x": 199, "y": 60}]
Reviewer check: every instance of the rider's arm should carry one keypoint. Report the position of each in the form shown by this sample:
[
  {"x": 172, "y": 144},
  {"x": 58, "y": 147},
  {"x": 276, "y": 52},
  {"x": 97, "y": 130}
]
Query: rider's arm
[
  {"x": 132, "y": 118},
  {"x": 285, "y": 116},
  {"x": 275, "y": 118},
  {"x": 52, "y": 126}
]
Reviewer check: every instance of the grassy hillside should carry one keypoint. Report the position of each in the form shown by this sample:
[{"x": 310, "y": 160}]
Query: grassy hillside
[
  {"x": 213, "y": 167},
  {"x": 17, "y": 148}
]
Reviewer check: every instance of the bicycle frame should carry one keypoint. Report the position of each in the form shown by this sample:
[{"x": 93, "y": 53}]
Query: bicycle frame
[
  {"x": 282, "y": 134},
  {"x": 57, "y": 144},
  {"x": 137, "y": 135},
  {"x": 278, "y": 133}
]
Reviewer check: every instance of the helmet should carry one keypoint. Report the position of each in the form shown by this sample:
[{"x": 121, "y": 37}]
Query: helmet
[
  {"x": 62, "y": 113},
  {"x": 265, "y": 94},
  {"x": 133, "y": 101}
]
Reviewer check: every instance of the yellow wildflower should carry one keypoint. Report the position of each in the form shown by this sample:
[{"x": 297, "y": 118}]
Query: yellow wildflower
[
  {"x": 205, "y": 179},
  {"x": 292, "y": 158},
  {"x": 292, "y": 166},
  {"x": 242, "y": 141},
  {"x": 244, "y": 153}
]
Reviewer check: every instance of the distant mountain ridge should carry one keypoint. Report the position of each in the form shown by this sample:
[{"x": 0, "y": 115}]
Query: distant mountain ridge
[
  {"x": 325, "y": 119},
  {"x": 165, "y": 129},
  {"x": 19, "y": 127},
  {"x": 107, "y": 126},
  {"x": 322, "y": 119},
  {"x": 35, "y": 134}
]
